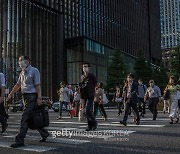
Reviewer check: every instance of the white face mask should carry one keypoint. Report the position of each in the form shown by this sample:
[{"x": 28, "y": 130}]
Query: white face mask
[
  {"x": 85, "y": 69},
  {"x": 22, "y": 64}
]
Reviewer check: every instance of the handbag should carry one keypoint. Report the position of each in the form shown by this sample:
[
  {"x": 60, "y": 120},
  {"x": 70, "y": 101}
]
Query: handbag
[
  {"x": 105, "y": 100},
  {"x": 39, "y": 119},
  {"x": 166, "y": 95}
]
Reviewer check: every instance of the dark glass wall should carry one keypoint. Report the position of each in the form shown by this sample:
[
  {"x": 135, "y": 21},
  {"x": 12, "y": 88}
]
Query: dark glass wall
[
  {"x": 34, "y": 29},
  {"x": 129, "y": 25}
]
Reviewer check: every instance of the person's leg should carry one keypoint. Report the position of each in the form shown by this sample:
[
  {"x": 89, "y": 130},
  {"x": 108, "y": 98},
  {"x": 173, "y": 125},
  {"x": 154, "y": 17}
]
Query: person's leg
[
  {"x": 174, "y": 106},
  {"x": 44, "y": 134},
  {"x": 136, "y": 112},
  {"x": 103, "y": 110},
  {"x": 28, "y": 111},
  {"x": 3, "y": 117},
  {"x": 165, "y": 106},
  {"x": 77, "y": 108},
  {"x": 139, "y": 107},
  {"x": 60, "y": 109},
  {"x": 151, "y": 105},
  {"x": 155, "y": 102},
  {"x": 95, "y": 111},
  {"x": 92, "y": 124},
  {"x": 143, "y": 106},
  {"x": 128, "y": 107}
]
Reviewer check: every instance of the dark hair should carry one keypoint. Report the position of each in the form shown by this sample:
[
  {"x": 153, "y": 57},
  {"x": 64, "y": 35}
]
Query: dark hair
[
  {"x": 130, "y": 75},
  {"x": 87, "y": 63},
  {"x": 101, "y": 85},
  {"x": 150, "y": 81},
  {"x": 62, "y": 82},
  {"x": 172, "y": 77},
  {"x": 25, "y": 57}
]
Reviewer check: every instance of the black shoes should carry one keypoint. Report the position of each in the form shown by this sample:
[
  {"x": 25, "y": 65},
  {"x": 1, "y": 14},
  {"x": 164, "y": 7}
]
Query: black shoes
[
  {"x": 88, "y": 128},
  {"x": 123, "y": 122},
  {"x": 137, "y": 122},
  {"x": 4, "y": 127},
  {"x": 17, "y": 145},
  {"x": 177, "y": 120},
  {"x": 44, "y": 138},
  {"x": 91, "y": 128}
]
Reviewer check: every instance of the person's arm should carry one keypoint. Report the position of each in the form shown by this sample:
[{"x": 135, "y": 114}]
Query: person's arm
[
  {"x": 2, "y": 87},
  {"x": 13, "y": 91},
  {"x": 2, "y": 94},
  {"x": 39, "y": 95},
  {"x": 37, "y": 83},
  {"x": 146, "y": 95}
]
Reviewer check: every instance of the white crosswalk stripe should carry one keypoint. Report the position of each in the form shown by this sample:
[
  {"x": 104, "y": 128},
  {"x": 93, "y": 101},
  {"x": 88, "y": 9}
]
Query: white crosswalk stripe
[{"x": 106, "y": 130}]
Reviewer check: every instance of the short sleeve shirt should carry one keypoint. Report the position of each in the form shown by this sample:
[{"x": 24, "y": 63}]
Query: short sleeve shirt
[
  {"x": 2, "y": 80},
  {"x": 29, "y": 79},
  {"x": 64, "y": 95}
]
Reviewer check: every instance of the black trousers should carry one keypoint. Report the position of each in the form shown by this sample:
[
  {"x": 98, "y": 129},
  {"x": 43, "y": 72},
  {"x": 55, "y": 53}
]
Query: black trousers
[
  {"x": 119, "y": 107},
  {"x": 89, "y": 112},
  {"x": 130, "y": 105},
  {"x": 30, "y": 105},
  {"x": 77, "y": 104},
  {"x": 153, "y": 106},
  {"x": 101, "y": 106},
  {"x": 141, "y": 105},
  {"x": 3, "y": 115}
]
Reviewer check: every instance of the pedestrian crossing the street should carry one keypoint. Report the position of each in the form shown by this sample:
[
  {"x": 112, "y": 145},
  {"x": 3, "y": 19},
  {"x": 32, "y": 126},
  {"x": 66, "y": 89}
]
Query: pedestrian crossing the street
[{"x": 74, "y": 132}]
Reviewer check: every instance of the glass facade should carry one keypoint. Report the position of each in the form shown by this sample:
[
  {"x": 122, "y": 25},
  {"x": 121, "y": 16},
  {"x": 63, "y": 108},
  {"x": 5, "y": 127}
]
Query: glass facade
[
  {"x": 33, "y": 28},
  {"x": 128, "y": 25},
  {"x": 170, "y": 23}
]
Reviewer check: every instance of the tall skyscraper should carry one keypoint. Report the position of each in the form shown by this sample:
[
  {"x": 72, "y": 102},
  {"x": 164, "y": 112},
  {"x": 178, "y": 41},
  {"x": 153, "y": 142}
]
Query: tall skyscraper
[
  {"x": 170, "y": 23},
  {"x": 33, "y": 28}
]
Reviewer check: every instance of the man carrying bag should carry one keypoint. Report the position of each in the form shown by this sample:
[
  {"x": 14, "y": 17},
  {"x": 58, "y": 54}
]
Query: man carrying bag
[{"x": 29, "y": 82}]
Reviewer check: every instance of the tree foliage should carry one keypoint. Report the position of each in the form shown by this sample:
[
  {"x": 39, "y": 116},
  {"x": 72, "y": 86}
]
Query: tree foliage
[
  {"x": 117, "y": 70},
  {"x": 175, "y": 62}
]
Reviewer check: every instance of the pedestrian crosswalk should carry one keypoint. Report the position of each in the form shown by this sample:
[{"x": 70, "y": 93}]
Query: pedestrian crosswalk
[{"x": 72, "y": 132}]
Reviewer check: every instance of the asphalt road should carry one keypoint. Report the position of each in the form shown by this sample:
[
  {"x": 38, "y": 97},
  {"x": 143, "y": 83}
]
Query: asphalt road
[{"x": 68, "y": 136}]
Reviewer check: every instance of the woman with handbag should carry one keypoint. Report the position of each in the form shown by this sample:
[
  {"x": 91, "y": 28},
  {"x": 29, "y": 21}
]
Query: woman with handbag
[
  {"x": 98, "y": 101},
  {"x": 166, "y": 100},
  {"x": 119, "y": 99},
  {"x": 173, "y": 88}
]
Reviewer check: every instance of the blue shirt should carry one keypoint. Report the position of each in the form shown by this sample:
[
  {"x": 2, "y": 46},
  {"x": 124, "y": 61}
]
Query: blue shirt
[
  {"x": 141, "y": 90},
  {"x": 153, "y": 92},
  {"x": 29, "y": 79}
]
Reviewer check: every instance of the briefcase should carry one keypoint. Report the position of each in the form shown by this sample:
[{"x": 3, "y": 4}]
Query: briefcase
[{"x": 39, "y": 119}]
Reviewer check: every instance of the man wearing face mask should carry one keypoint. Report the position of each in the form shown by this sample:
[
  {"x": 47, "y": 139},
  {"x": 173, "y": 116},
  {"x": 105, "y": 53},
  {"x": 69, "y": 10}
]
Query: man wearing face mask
[
  {"x": 153, "y": 93},
  {"x": 29, "y": 82},
  {"x": 131, "y": 91},
  {"x": 91, "y": 83}
]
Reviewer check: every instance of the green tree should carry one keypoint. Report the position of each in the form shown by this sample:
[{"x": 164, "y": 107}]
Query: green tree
[
  {"x": 117, "y": 70},
  {"x": 175, "y": 62},
  {"x": 142, "y": 68},
  {"x": 160, "y": 77}
]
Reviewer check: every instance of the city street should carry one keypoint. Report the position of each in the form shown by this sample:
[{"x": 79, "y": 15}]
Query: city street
[{"x": 68, "y": 136}]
